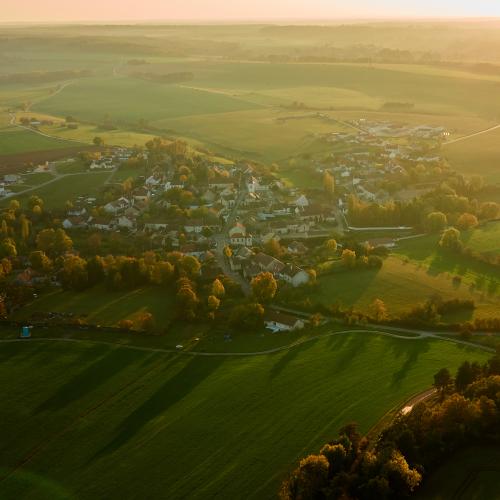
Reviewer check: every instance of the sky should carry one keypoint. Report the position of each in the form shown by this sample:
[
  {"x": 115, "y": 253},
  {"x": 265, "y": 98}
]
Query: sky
[{"x": 242, "y": 10}]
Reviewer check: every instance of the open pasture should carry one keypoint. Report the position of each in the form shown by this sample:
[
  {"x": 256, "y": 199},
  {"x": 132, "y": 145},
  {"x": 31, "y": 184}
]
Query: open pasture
[
  {"x": 193, "y": 426},
  {"x": 402, "y": 285}
]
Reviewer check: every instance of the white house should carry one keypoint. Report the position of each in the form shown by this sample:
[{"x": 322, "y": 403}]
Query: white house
[
  {"x": 281, "y": 322},
  {"x": 238, "y": 236},
  {"x": 294, "y": 275},
  {"x": 11, "y": 178},
  {"x": 125, "y": 222},
  {"x": 74, "y": 222},
  {"x": 301, "y": 201}
]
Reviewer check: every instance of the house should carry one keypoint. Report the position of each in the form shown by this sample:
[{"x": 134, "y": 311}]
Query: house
[
  {"x": 221, "y": 183},
  {"x": 280, "y": 322},
  {"x": 116, "y": 206},
  {"x": 74, "y": 222},
  {"x": 267, "y": 263},
  {"x": 11, "y": 178},
  {"x": 102, "y": 223},
  {"x": 239, "y": 257},
  {"x": 294, "y": 275},
  {"x": 152, "y": 181},
  {"x": 381, "y": 242},
  {"x": 141, "y": 194},
  {"x": 296, "y": 248},
  {"x": 301, "y": 202},
  {"x": 125, "y": 222},
  {"x": 238, "y": 235}
]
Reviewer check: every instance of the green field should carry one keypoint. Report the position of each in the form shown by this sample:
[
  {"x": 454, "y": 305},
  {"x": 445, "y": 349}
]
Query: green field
[
  {"x": 485, "y": 239},
  {"x": 14, "y": 141},
  {"x": 117, "y": 422},
  {"x": 472, "y": 474},
  {"x": 477, "y": 155},
  {"x": 402, "y": 285},
  {"x": 99, "y": 306},
  {"x": 68, "y": 187}
]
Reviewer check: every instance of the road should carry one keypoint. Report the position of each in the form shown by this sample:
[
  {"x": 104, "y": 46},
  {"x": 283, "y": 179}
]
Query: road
[
  {"x": 425, "y": 335},
  {"x": 469, "y": 136}
]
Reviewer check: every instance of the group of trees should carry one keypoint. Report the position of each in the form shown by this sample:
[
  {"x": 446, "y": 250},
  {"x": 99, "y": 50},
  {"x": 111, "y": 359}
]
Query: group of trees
[
  {"x": 394, "y": 465},
  {"x": 432, "y": 212}
]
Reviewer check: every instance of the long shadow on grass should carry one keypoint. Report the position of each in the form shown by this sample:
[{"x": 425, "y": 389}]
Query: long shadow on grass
[
  {"x": 287, "y": 358},
  {"x": 172, "y": 391},
  {"x": 413, "y": 350},
  {"x": 90, "y": 378},
  {"x": 346, "y": 348}
]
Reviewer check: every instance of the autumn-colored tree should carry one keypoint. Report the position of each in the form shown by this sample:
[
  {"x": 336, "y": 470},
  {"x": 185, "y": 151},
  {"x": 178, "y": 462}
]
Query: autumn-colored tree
[
  {"x": 467, "y": 221},
  {"x": 14, "y": 205},
  {"x": 273, "y": 247},
  {"x": 307, "y": 480},
  {"x": 227, "y": 252},
  {"x": 217, "y": 289},
  {"x": 35, "y": 201},
  {"x": 331, "y": 246},
  {"x": 436, "y": 222},
  {"x": 94, "y": 242},
  {"x": 264, "y": 287},
  {"x": 329, "y": 183},
  {"x": 451, "y": 240},
  {"x": 190, "y": 265},
  {"x": 349, "y": 258},
  {"x": 74, "y": 273},
  {"x": 98, "y": 141},
  {"x": 39, "y": 261},
  {"x": 126, "y": 324},
  {"x": 8, "y": 248},
  {"x": 247, "y": 316},
  {"x": 147, "y": 322},
  {"x": 379, "y": 310}
]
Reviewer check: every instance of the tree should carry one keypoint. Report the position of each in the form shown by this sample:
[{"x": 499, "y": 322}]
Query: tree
[
  {"x": 331, "y": 245},
  {"x": 217, "y": 289},
  {"x": 62, "y": 242},
  {"x": 190, "y": 265},
  {"x": 8, "y": 248},
  {"x": 308, "y": 480},
  {"x": 466, "y": 374},
  {"x": 35, "y": 201},
  {"x": 95, "y": 270},
  {"x": 147, "y": 322},
  {"x": 349, "y": 258},
  {"x": 264, "y": 287},
  {"x": 329, "y": 183},
  {"x": 247, "y": 316},
  {"x": 442, "y": 380},
  {"x": 273, "y": 247},
  {"x": 436, "y": 222},
  {"x": 14, "y": 205},
  {"x": 213, "y": 304},
  {"x": 98, "y": 141},
  {"x": 489, "y": 210},
  {"x": 451, "y": 240},
  {"x": 39, "y": 261},
  {"x": 74, "y": 273},
  {"x": 467, "y": 221},
  {"x": 227, "y": 252},
  {"x": 25, "y": 227},
  {"x": 379, "y": 310}
]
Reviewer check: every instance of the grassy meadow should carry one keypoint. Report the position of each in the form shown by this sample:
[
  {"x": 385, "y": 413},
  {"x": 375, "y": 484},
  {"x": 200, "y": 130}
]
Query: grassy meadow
[
  {"x": 14, "y": 140},
  {"x": 177, "y": 426},
  {"x": 402, "y": 283}
]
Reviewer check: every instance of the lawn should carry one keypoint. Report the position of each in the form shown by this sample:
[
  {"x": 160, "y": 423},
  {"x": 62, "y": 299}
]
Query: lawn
[
  {"x": 99, "y": 306},
  {"x": 472, "y": 474},
  {"x": 14, "y": 140},
  {"x": 476, "y": 156},
  {"x": 485, "y": 239},
  {"x": 402, "y": 285},
  {"x": 98, "y": 421},
  {"x": 68, "y": 188}
]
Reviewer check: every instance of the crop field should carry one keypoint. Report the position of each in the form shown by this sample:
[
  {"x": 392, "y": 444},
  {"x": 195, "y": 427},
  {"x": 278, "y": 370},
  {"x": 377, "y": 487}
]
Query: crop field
[
  {"x": 477, "y": 155},
  {"x": 402, "y": 284},
  {"x": 68, "y": 187},
  {"x": 471, "y": 474},
  {"x": 14, "y": 140},
  {"x": 198, "y": 426}
]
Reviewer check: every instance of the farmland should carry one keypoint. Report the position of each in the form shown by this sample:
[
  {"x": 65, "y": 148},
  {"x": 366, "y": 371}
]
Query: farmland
[
  {"x": 13, "y": 141},
  {"x": 402, "y": 285},
  {"x": 211, "y": 426}
]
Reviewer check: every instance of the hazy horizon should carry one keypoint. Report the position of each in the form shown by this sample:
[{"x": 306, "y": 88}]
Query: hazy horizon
[{"x": 204, "y": 11}]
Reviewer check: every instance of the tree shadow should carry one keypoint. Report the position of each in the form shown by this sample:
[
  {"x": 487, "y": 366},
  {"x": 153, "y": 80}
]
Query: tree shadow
[
  {"x": 346, "y": 349},
  {"x": 288, "y": 357},
  {"x": 171, "y": 392},
  {"x": 413, "y": 349},
  {"x": 90, "y": 378}
]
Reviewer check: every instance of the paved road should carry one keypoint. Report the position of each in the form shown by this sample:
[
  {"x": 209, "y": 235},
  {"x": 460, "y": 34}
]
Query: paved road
[
  {"x": 469, "y": 136},
  {"x": 247, "y": 354}
]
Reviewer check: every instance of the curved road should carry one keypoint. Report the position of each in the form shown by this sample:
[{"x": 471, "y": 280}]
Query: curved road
[{"x": 287, "y": 347}]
